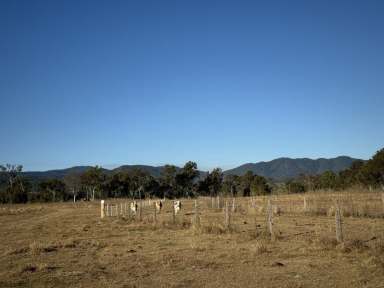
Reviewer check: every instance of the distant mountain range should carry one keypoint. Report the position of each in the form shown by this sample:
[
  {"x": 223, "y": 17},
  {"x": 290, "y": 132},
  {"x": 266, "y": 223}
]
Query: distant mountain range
[
  {"x": 287, "y": 168},
  {"x": 61, "y": 173},
  {"x": 278, "y": 169}
]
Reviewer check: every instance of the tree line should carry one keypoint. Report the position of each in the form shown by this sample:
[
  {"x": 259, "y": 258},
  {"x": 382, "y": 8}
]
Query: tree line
[
  {"x": 136, "y": 183},
  {"x": 363, "y": 174},
  {"x": 177, "y": 182}
]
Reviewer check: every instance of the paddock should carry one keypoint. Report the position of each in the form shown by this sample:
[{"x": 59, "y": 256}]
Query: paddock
[{"x": 211, "y": 242}]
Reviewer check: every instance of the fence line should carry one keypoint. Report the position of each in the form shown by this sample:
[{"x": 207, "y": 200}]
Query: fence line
[{"x": 235, "y": 208}]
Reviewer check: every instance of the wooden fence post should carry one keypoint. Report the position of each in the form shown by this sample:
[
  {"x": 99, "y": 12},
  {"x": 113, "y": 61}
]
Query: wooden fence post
[
  {"x": 140, "y": 211},
  {"x": 226, "y": 216},
  {"x": 102, "y": 209},
  {"x": 154, "y": 213},
  {"x": 218, "y": 202},
  {"x": 339, "y": 224},
  {"x": 253, "y": 202},
  {"x": 382, "y": 200},
  {"x": 173, "y": 213},
  {"x": 305, "y": 206},
  {"x": 233, "y": 205},
  {"x": 270, "y": 219},
  {"x": 196, "y": 221},
  {"x": 255, "y": 219}
]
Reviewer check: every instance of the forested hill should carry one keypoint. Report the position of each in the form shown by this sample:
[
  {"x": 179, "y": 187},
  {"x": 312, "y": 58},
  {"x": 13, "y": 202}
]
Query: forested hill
[
  {"x": 55, "y": 174},
  {"x": 278, "y": 169},
  {"x": 61, "y": 173},
  {"x": 154, "y": 171},
  {"x": 287, "y": 168}
]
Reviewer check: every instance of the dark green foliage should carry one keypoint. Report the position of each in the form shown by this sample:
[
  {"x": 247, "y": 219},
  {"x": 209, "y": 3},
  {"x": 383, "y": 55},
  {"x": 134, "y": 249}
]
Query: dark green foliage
[
  {"x": 53, "y": 190},
  {"x": 184, "y": 180},
  {"x": 352, "y": 175},
  {"x": 13, "y": 188},
  {"x": 372, "y": 173},
  {"x": 231, "y": 185},
  {"x": 73, "y": 183},
  {"x": 259, "y": 186},
  {"x": 328, "y": 180},
  {"x": 252, "y": 185},
  {"x": 137, "y": 183},
  {"x": 361, "y": 173},
  {"x": 212, "y": 183},
  {"x": 117, "y": 185},
  {"x": 18, "y": 195},
  {"x": 168, "y": 181},
  {"x": 295, "y": 187},
  {"x": 132, "y": 183},
  {"x": 92, "y": 179}
]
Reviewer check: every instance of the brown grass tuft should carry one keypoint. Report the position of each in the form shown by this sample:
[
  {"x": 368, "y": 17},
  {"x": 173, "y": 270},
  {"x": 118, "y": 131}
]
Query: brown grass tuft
[
  {"x": 213, "y": 228},
  {"x": 355, "y": 244},
  {"x": 260, "y": 247},
  {"x": 35, "y": 248},
  {"x": 327, "y": 242},
  {"x": 379, "y": 246}
]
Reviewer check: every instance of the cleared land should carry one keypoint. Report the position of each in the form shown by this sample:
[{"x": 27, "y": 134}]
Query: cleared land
[{"x": 68, "y": 245}]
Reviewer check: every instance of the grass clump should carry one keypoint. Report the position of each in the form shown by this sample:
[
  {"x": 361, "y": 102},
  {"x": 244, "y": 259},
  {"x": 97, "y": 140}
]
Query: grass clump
[
  {"x": 260, "y": 247},
  {"x": 36, "y": 248}
]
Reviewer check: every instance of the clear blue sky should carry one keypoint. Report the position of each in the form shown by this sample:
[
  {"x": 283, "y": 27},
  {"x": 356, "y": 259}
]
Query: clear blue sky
[{"x": 218, "y": 82}]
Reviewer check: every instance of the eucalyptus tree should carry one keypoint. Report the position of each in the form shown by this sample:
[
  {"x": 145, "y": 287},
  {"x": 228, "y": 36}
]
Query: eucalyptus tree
[
  {"x": 73, "y": 182},
  {"x": 14, "y": 190},
  {"x": 168, "y": 180},
  {"x": 93, "y": 179},
  {"x": 215, "y": 181},
  {"x": 185, "y": 180},
  {"x": 52, "y": 190}
]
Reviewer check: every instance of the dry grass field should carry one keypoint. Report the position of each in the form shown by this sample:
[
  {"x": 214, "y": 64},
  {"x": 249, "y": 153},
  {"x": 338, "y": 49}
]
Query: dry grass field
[{"x": 68, "y": 245}]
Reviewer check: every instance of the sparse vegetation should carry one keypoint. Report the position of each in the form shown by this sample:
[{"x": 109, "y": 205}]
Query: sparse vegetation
[{"x": 70, "y": 242}]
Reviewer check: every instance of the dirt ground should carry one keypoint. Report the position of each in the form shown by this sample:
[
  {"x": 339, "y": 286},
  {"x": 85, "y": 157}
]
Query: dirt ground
[{"x": 68, "y": 245}]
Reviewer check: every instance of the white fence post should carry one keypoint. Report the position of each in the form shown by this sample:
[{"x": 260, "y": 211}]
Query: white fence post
[{"x": 102, "y": 209}]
